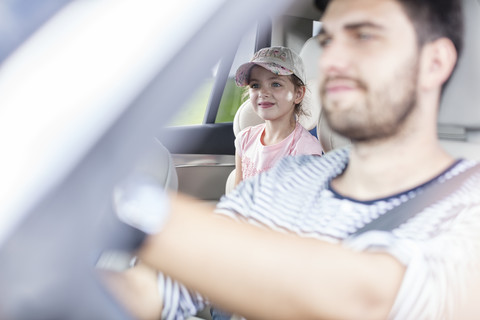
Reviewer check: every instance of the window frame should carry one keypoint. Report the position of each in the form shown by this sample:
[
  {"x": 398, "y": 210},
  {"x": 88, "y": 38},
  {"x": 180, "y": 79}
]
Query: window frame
[{"x": 263, "y": 39}]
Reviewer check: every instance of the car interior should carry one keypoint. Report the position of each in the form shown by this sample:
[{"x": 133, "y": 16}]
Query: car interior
[
  {"x": 458, "y": 123},
  {"x": 194, "y": 153},
  {"x": 211, "y": 161},
  {"x": 459, "y": 118}
]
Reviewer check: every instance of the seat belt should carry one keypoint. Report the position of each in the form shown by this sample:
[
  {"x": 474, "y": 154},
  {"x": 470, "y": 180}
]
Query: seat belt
[{"x": 427, "y": 196}]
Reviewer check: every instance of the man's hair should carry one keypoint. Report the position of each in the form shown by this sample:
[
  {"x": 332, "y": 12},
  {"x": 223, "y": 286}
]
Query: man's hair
[{"x": 434, "y": 19}]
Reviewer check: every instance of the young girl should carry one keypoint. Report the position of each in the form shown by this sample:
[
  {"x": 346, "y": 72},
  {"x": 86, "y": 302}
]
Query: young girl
[{"x": 276, "y": 85}]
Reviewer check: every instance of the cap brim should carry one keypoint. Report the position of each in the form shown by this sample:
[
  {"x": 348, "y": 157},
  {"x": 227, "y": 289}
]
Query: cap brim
[{"x": 243, "y": 72}]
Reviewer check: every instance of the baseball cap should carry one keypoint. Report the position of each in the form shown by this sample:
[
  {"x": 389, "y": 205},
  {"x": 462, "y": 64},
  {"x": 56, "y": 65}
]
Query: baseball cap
[{"x": 278, "y": 60}]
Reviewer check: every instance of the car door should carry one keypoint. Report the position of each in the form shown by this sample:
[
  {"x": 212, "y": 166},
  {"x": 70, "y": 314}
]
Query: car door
[{"x": 80, "y": 102}]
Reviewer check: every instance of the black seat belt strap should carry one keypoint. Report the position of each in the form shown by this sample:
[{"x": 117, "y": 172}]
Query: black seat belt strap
[{"x": 427, "y": 196}]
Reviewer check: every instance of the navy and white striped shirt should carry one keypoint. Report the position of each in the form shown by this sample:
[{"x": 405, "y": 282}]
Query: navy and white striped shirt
[{"x": 440, "y": 246}]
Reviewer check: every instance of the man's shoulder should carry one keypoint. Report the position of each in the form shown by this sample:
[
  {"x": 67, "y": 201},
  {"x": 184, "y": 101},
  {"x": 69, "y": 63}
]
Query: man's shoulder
[
  {"x": 471, "y": 180},
  {"x": 330, "y": 164},
  {"x": 465, "y": 174}
]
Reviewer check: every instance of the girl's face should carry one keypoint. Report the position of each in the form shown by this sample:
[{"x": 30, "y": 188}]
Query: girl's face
[{"x": 273, "y": 96}]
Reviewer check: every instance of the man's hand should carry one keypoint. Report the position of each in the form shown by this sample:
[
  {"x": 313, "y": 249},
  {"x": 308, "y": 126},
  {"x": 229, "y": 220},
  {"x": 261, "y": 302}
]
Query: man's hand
[{"x": 136, "y": 289}]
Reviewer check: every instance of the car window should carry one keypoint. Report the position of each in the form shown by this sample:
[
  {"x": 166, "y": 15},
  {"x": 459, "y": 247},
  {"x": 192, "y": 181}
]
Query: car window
[
  {"x": 193, "y": 112},
  {"x": 233, "y": 96},
  {"x": 195, "y": 108}
]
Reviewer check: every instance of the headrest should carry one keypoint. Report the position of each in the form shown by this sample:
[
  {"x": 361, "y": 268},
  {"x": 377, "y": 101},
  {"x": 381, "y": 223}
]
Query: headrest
[
  {"x": 245, "y": 117},
  {"x": 310, "y": 54},
  {"x": 460, "y": 105}
]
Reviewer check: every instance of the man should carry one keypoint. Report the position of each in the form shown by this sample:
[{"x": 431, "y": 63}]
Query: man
[{"x": 287, "y": 253}]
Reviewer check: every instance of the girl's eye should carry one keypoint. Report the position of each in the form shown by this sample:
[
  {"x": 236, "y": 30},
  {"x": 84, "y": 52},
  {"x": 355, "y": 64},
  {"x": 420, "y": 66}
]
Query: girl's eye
[
  {"x": 254, "y": 86},
  {"x": 276, "y": 84}
]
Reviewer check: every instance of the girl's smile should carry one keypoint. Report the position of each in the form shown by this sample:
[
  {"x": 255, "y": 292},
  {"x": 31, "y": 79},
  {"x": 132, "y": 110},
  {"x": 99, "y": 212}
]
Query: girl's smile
[{"x": 265, "y": 104}]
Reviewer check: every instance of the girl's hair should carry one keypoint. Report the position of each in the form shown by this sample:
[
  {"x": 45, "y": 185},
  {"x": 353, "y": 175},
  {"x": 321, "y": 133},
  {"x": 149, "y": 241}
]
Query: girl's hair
[{"x": 297, "y": 84}]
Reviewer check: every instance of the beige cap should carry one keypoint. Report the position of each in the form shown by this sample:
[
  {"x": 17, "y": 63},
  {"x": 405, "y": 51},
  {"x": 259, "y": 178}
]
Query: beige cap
[{"x": 279, "y": 60}]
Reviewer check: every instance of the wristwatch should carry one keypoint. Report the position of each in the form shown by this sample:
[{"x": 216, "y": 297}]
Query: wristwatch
[{"x": 141, "y": 201}]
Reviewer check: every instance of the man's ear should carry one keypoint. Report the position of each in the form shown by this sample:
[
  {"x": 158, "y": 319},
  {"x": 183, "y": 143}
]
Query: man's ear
[
  {"x": 438, "y": 60},
  {"x": 300, "y": 94}
]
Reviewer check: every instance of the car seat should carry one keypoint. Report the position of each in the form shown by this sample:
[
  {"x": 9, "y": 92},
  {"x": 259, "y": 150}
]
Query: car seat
[
  {"x": 158, "y": 163},
  {"x": 459, "y": 117}
]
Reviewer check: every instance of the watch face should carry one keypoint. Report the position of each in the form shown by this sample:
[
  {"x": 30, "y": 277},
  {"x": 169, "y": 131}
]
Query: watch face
[{"x": 140, "y": 201}]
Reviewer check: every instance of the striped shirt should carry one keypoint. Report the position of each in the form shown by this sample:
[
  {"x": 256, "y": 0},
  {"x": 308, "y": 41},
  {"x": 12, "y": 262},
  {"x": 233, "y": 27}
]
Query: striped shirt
[{"x": 440, "y": 246}]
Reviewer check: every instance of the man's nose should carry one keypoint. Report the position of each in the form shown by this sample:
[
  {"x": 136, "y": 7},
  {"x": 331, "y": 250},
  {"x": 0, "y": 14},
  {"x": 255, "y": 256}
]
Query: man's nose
[{"x": 336, "y": 58}]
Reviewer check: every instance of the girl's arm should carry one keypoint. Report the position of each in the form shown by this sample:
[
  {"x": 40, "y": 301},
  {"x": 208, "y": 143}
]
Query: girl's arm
[{"x": 238, "y": 169}]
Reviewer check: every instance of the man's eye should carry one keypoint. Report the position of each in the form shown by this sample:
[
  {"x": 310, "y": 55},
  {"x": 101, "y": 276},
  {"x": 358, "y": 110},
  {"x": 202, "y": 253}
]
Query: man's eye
[
  {"x": 363, "y": 36},
  {"x": 324, "y": 42}
]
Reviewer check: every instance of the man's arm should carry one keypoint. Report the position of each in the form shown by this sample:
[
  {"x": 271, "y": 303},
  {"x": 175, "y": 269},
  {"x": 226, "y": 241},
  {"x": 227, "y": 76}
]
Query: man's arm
[{"x": 263, "y": 274}]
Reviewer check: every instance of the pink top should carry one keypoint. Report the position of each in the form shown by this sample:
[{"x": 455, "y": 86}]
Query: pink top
[{"x": 257, "y": 157}]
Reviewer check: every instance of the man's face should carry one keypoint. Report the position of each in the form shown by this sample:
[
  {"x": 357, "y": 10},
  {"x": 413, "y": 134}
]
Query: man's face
[{"x": 369, "y": 68}]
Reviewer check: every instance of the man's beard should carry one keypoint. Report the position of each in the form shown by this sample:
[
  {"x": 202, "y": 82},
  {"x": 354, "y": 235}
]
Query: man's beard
[{"x": 384, "y": 109}]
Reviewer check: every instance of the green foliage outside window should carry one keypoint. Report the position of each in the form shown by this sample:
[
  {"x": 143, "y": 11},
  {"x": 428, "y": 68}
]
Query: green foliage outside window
[
  {"x": 194, "y": 110},
  {"x": 232, "y": 99}
]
